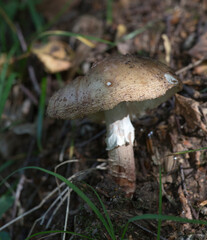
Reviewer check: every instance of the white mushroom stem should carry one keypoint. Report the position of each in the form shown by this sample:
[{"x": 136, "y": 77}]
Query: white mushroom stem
[
  {"x": 119, "y": 140},
  {"x": 119, "y": 127}
]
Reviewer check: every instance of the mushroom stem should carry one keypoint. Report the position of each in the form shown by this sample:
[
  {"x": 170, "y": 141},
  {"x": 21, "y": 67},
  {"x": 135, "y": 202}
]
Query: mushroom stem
[{"x": 119, "y": 140}]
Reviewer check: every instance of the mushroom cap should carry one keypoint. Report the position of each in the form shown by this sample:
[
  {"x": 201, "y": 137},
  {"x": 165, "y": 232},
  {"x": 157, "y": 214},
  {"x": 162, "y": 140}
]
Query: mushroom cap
[{"x": 116, "y": 79}]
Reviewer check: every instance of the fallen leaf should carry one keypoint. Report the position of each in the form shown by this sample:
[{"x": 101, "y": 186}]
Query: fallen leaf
[
  {"x": 185, "y": 206},
  {"x": 55, "y": 55},
  {"x": 201, "y": 69},
  {"x": 121, "y": 30},
  {"x": 204, "y": 203},
  {"x": 191, "y": 111},
  {"x": 199, "y": 50}
]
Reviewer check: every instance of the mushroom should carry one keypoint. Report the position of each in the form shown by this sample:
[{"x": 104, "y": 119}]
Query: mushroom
[{"x": 117, "y": 86}]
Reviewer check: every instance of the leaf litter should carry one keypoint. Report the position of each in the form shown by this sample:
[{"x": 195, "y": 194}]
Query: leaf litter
[{"x": 173, "y": 33}]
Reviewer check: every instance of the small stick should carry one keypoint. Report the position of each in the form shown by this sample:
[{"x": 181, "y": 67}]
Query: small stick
[
  {"x": 57, "y": 208},
  {"x": 67, "y": 212},
  {"x": 60, "y": 196},
  {"x": 186, "y": 194},
  {"x": 80, "y": 175},
  {"x": 191, "y": 65},
  {"x": 30, "y": 68},
  {"x": 29, "y": 94},
  {"x": 31, "y": 210}
]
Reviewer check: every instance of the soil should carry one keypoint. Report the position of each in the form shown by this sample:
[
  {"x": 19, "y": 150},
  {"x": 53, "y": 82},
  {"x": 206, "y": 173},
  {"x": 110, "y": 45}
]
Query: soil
[{"x": 170, "y": 139}]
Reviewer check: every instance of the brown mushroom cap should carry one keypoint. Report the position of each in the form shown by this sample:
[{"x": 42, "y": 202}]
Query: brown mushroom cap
[{"x": 114, "y": 80}]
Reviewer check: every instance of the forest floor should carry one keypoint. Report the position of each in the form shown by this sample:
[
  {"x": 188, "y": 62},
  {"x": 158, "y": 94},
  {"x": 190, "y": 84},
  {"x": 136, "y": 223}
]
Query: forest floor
[{"x": 175, "y": 33}]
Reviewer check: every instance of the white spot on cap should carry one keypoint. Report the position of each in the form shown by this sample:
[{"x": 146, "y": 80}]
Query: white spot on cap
[
  {"x": 108, "y": 83},
  {"x": 170, "y": 78}
]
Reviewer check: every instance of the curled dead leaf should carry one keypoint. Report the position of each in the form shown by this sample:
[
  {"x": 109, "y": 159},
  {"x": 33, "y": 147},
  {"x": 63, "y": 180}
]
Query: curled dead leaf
[
  {"x": 191, "y": 111},
  {"x": 55, "y": 55},
  {"x": 201, "y": 69},
  {"x": 204, "y": 203},
  {"x": 200, "y": 48}
]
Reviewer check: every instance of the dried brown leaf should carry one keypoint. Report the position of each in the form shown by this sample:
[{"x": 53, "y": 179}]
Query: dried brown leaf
[
  {"x": 200, "y": 49},
  {"x": 55, "y": 55},
  {"x": 204, "y": 203},
  {"x": 201, "y": 69},
  {"x": 185, "y": 206},
  {"x": 191, "y": 111}
]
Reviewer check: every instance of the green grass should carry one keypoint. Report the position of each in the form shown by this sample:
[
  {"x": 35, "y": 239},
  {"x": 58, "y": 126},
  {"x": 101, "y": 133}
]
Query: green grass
[
  {"x": 105, "y": 219},
  {"x": 35, "y": 16},
  {"x": 70, "y": 34},
  {"x": 160, "y": 204},
  {"x": 6, "y": 201},
  {"x": 4, "y": 236},
  {"x": 8, "y": 12},
  {"x": 6, "y": 81},
  {"x": 109, "y": 12}
]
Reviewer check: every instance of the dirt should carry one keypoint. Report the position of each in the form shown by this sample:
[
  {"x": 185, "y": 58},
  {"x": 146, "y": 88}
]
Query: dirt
[{"x": 173, "y": 32}]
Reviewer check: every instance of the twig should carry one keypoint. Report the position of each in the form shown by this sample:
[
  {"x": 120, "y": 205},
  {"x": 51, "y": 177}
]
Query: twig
[
  {"x": 147, "y": 230},
  {"x": 18, "y": 193},
  {"x": 188, "y": 203},
  {"x": 65, "y": 162},
  {"x": 29, "y": 94},
  {"x": 91, "y": 139},
  {"x": 30, "y": 68},
  {"x": 79, "y": 175},
  {"x": 191, "y": 65},
  {"x": 31, "y": 210},
  {"x": 42, "y": 218},
  {"x": 47, "y": 236},
  {"x": 60, "y": 196},
  {"x": 67, "y": 213},
  {"x": 56, "y": 209}
]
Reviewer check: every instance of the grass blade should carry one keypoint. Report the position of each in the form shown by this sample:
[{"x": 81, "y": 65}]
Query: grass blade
[
  {"x": 6, "y": 165},
  {"x": 37, "y": 19},
  {"x": 7, "y": 19},
  {"x": 160, "y": 204},
  {"x": 6, "y": 201},
  {"x": 105, "y": 212},
  {"x": 109, "y": 12},
  {"x": 4, "y": 236},
  {"x": 75, "y": 189},
  {"x": 188, "y": 151},
  {"x": 6, "y": 82},
  {"x": 5, "y": 90},
  {"x": 138, "y": 31},
  {"x": 71, "y": 34},
  {"x": 166, "y": 217},
  {"x": 162, "y": 218}
]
